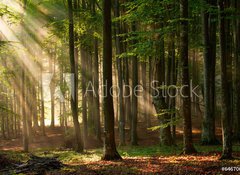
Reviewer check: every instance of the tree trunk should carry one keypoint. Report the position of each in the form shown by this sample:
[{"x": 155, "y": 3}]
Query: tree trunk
[
  {"x": 237, "y": 74},
  {"x": 110, "y": 151},
  {"x": 173, "y": 80},
  {"x": 188, "y": 147},
  {"x": 74, "y": 95},
  {"x": 84, "y": 96},
  {"x": 23, "y": 101},
  {"x": 24, "y": 118},
  {"x": 52, "y": 88},
  {"x": 209, "y": 38},
  {"x": 90, "y": 95},
  {"x": 34, "y": 110},
  {"x": 159, "y": 100},
  {"x": 144, "y": 84},
  {"x": 96, "y": 102},
  {"x": 134, "y": 137},
  {"x": 42, "y": 107},
  {"x": 226, "y": 76},
  {"x": 119, "y": 51},
  {"x": 149, "y": 115}
]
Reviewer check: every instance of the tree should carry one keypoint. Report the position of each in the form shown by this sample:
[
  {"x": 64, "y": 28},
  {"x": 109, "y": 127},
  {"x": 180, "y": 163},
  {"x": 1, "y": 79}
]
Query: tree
[
  {"x": 23, "y": 102},
  {"x": 74, "y": 95},
  {"x": 96, "y": 103},
  {"x": 84, "y": 98},
  {"x": 226, "y": 77},
  {"x": 209, "y": 38},
  {"x": 52, "y": 87},
  {"x": 188, "y": 147},
  {"x": 237, "y": 74},
  {"x": 134, "y": 114},
  {"x": 119, "y": 51},
  {"x": 159, "y": 100},
  {"x": 42, "y": 120},
  {"x": 110, "y": 151},
  {"x": 83, "y": 86}
]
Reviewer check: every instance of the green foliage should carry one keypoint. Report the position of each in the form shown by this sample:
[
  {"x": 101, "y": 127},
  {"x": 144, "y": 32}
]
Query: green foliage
[{"x": 9, "y": 14}]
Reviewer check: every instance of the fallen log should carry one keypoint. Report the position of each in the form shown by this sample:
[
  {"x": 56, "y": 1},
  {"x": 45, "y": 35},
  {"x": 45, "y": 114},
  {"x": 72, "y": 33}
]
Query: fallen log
[{"x": 36, "y": 165}]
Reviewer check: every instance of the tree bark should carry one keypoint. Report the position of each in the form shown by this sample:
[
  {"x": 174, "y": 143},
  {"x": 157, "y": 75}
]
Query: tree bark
[
  {"x": 119, "y": 51},
  {"x": 188, "y": 147},
  {"x": 134, "y": 114},
  {"x": 226, "y": 77},
  {"x": 74, "y": 95},
  {"x": 110, "y": 151},
  {"x": 159, "y": 100},
  {"x": 237, "y": 74},
  {"x": 84, "y": 96},
  {"x": 209, "y": 38},
  {"x": 96, "y": 102},
  {"x": 52, "y": 89},
  {"x": 42, "y": 107}
]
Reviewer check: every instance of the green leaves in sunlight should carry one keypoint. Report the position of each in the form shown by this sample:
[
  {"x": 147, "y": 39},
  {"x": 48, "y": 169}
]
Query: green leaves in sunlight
[
  {"x": 174, "y": 121},
  {"x": 9, "y": 14}
]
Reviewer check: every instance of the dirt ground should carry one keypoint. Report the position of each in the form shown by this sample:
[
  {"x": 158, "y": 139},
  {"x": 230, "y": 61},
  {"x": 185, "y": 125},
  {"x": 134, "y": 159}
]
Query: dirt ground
[{"x": 200, "y": 163}]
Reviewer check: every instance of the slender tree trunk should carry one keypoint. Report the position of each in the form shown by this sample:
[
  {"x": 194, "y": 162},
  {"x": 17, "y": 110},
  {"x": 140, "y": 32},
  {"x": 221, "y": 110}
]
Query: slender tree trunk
[
  {"x": 188, "y": 147},
  {"x": 14, "y": 103},
  {"x": 42, "y": 107},
  {"x": 52, "y": 88},
  {"x": 149, "y": 115},
  {"x": 65, "y": 116},
  {"x": 23, "y": 102},
  {"x": 110, "y": 151},
  {"x": 159, "y": 100},
  {"x": 226, "y": 76},
  {"x": 7, "y": 115},
  {"x": 74, "y": 95},
  {"x": 24, "y": 117},
  {"x": 90, "y": 95},
  {"x": 96, "y": 103},
  {"x": 134, "y": 137},
  {"x": 209, "y": 33},
  {"x": 84, "y": 96},
  {"x": 28, "y": 108},
  {"x": 173, "y": 80},
  {"x": 237, "y": 74},
  {"x": 61, "y": 100},
  {"x": 34, "y": 111},
  {"x": 144, "y": 84},
  {"x": 119, "y": 51}
]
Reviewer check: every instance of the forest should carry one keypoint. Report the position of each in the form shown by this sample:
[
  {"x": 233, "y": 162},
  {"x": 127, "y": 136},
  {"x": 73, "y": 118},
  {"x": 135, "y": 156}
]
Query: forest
[{"x": 101, "y": 87}]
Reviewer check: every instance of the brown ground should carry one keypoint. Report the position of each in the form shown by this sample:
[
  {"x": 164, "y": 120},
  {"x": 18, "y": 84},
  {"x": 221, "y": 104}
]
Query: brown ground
[
  {"x": 178, "y": 165},
  {"x": 201, "y": 163}
]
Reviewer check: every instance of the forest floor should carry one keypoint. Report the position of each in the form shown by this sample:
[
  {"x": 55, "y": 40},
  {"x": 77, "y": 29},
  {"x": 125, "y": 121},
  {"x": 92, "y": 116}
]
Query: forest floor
[{"x": 149, "y": 158}]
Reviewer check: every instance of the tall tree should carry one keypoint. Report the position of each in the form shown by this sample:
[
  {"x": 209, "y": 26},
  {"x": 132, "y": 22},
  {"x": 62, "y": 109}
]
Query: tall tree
[
  {"x": 74, "y": 95},
  {"x": 209, "y": 38},
  {"x": 84, "y": 96},
  {"x": 42, "y": 121},
  {"x": 23, "y": 100},
  {"x": 188, "y": 147},
  {"x": 134, "y": 117},
  {"x": 119, "y": 50},
  {"x": 159, "y": 99},
  {"x": 226, "y": 77},
  {"x": 110, "y": 151},
  {"x": 96, "y": 102},
  {"x": 237, "y": 73},
  {"x": 83, "y": 86},
  {"x": 52, "y": 87}
]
